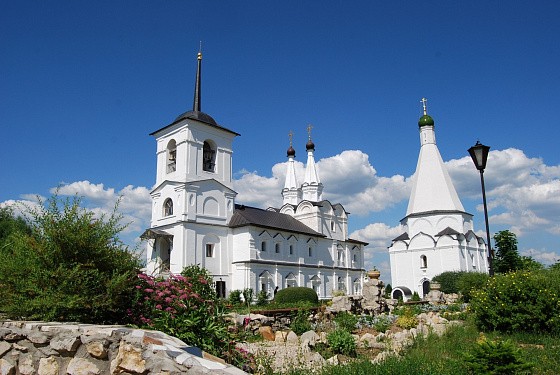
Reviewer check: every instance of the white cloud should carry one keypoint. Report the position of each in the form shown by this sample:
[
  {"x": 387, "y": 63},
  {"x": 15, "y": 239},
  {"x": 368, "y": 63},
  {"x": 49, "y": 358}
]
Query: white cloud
[
  {"x": 379, "y": 236},
  {"x": 522, "y": 192},
  {"x": 542, "y": 256},
  {"x": 348, "y": 178}
]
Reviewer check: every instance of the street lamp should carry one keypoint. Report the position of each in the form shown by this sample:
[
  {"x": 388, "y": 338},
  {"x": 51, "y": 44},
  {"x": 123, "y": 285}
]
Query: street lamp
[{"x": 479, "y": 155}]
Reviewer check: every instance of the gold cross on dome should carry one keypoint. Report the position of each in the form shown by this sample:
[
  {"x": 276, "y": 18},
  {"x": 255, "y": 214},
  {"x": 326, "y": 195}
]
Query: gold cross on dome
[
  {"x": 424, "y": 102},
  {"x": 290, "y": 135},
  {"x": 309, "y": 127}
]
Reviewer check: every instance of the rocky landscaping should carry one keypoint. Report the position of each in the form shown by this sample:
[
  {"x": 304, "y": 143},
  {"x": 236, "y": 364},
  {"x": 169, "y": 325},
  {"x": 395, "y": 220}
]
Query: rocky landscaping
[
  {"x": 41, "y": 348},
  {"x": 282, "y": 350}
]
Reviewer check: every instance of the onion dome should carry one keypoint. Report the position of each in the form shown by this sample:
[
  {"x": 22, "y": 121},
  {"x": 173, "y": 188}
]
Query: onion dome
[
  {"x": 426, "y": 120},
  {"x": 291, "y": 152},
  {"x": 310, "y": 145}
]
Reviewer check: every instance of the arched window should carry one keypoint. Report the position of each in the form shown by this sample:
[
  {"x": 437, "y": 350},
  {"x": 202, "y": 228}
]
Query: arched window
[
  {"x": 357, "y": 286},
  {"x": 316, "y": 284},
  {"x": 277, "y": 248},
  {"x": 208, "y": 157},
  {"x": 265, "y": 279},
  {"x": 263, "y": 246},
  {"x": 341, "y": 285},
  {"x": 171, "y": 156},
  {"x": 340, "y": 256},
  {"x": 423, "y": 261},
  {"x": 310, "y": 251},
  {"x": 291, "y": 280},
  {"x": 332, "y": 225},
  {"x": 291, "y": 249},
  {"x": 168, "y": 207}
]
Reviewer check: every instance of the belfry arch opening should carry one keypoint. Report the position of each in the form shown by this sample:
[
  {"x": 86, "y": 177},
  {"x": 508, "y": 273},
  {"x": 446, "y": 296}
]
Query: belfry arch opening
[
  {"x": 209, "y": 156},
  {"x": 171, "y": 156}
]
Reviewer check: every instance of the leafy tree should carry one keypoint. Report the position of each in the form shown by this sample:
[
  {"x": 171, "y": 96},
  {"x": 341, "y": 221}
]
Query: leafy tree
[
  {"x": 507, "y": 258},
  {"x": 388, "y": 290},
  {"x": 529, "y": 264},
  {"x": 10, "y": 224},
  {"x": 71, "y": 266}
]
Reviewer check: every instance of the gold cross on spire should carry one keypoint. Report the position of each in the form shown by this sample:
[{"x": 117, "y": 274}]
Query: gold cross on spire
[
  {"x": 309, "y": 127},
  {"x": 424, "y": 102},
  {"x": 290, "y": 135},
  {"x": 200, "y": 51}
]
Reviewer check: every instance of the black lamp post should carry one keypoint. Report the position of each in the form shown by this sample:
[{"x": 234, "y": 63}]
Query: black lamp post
[{"x": 479, "y": 155}]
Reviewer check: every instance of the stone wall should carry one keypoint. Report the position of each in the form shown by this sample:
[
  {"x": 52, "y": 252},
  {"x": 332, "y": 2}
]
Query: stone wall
[{"x": 65, "y": 348}]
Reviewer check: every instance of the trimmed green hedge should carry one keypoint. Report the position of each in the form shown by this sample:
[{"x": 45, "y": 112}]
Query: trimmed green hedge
[{"x": 295, "y": 295}]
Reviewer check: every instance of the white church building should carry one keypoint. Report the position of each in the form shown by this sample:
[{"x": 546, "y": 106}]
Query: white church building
[
  {"x": 196, "y": 220},
  {"x": 437, "y": 232}
]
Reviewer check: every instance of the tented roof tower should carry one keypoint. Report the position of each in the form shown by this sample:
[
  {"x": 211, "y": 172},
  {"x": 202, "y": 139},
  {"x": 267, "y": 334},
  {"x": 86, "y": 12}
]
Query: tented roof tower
[{"x": 432, "y": 189}]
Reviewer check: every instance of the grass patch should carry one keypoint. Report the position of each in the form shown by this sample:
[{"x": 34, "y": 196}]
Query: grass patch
[{"x": 446, "y": 355}]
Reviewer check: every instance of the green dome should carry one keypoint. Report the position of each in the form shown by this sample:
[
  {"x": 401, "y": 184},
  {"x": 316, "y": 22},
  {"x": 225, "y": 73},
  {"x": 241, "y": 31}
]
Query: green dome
[{"x": 426, "y": 120}]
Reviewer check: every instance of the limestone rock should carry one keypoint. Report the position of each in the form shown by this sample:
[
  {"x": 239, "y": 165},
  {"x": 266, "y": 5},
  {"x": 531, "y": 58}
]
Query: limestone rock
[
  {"x": 292, "y": 338},
  {"x": 82, "y": 366},
  {"x": 96, "y": 349},
  {"x": 65, "y": 343},
  {"x": 7, "y": 368},
  {"x": 4, "y": 347},
  {"x": 267, "y": 333},
  {"x": 309, "y": 338},
  {"x": 48, "y": 366},
  {"x": 25, "y": 366},
  {"x": 129, "y": 360},
  {"x": 13, "y": 337},
  {"x": 367, "y": 340},
  {"x": 38, "y": 338}
]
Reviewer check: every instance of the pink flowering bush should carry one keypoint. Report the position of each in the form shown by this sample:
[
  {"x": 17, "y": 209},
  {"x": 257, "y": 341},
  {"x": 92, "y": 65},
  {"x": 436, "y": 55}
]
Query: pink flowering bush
[{"x": 176, "y": 306}]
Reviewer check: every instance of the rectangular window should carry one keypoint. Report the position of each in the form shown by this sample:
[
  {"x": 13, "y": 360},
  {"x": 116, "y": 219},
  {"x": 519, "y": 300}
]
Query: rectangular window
[
  {"x": 263, "y": 246},
  {"x": 277, "y": 248},
  {"x": 221, "y": 289},
  {"x": 291, "y": 249},
  {"x": 209, "y": 250},
  {"x": 310, "y": 251}
]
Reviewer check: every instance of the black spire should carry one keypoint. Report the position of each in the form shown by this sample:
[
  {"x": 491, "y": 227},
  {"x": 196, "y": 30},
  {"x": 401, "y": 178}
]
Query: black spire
[{"x": 196, "y": 101}]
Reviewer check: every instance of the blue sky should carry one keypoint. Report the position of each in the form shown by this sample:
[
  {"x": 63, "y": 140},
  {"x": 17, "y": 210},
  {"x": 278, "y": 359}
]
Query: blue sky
[{"x": 84, "y": 83}]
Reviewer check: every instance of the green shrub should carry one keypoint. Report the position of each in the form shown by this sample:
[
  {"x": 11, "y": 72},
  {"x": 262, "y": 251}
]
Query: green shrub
[
  {"x": 262, "y": 298},
  {"x": 415, "y": 297},
  {"x": 468, "y": 282},
  {"x": 448, "y": 281},
  {"x": 235, "y": 297},
  {"x": 296, "y": 294},
  {"x": 387, "y": 291},
  {"x": 248, "y": 296},
  {"x": 300, "y": 322},
  {"x": 342, "y": 341},
  {"x": 71, "y": 266},
  {"x": 407, "y": 319},
  {"x": 519, "y": 301},
  {"x": 346, "y": 321},
  {"x": 495, "y": 357},
  {"x": 382, "y": 323}
]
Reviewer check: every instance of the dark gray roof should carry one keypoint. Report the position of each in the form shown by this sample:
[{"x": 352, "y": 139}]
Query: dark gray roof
[
  {"x": 402, "y": 237},
  {"x": 447, "y": 232},
  {"x": 351, "y": 240},
  {"x": 198, "y": 116},
  {"x": 245, "y": 215}
]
